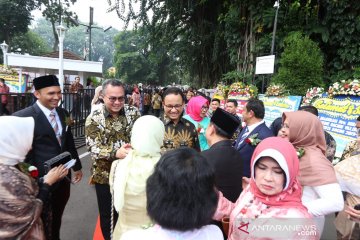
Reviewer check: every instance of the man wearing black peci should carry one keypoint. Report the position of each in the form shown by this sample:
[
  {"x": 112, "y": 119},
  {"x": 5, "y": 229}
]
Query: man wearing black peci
[{"x": 52, "y": 136}]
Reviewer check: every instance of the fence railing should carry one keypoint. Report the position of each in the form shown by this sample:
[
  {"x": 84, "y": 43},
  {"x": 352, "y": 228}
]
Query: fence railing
[{"x": 77, "y": 104}]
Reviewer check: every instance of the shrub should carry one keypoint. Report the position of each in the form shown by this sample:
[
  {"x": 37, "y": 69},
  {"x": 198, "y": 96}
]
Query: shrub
[{"x": 301, "y": 64}]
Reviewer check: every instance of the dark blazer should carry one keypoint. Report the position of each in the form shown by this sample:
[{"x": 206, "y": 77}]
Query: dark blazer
[
  {"x": 228, "y": 168},
  {"x": 246, "y": 150},
  {"x": 45, "y": 144}
]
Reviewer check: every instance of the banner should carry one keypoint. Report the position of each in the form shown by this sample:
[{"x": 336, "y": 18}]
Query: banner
[
  {"x": 275, "y": 106},
  {"x": 338, "y": 116},
  {"x": 12, "y": 81}
]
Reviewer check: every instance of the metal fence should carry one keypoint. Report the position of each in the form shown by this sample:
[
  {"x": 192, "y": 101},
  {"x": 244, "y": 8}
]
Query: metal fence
[{"x": 77, "y": 104}]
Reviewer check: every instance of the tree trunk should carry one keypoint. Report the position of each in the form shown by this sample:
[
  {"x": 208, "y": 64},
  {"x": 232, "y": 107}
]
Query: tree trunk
[{"x": 56, "y": 37}]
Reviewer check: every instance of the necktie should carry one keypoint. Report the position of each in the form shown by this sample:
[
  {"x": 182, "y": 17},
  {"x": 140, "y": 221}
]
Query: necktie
[
  {"x": 55, "y": 126},
  {"x": 242, "y": 138}
]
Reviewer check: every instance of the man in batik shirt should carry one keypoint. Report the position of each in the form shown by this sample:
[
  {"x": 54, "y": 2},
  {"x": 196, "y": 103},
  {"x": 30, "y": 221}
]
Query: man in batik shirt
[
  {"x": 179, "y": 132},
  {"x": 108, "y": 132}
]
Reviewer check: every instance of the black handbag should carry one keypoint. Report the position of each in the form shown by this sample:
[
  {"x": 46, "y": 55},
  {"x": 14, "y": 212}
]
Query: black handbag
[{"x": 56, "y": 161}]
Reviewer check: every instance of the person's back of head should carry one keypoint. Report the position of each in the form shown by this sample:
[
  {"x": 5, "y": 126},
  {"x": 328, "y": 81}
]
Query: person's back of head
[
  {"x": 180, "y": 193},
  {"x": 257, "y": 106},
  {"x": 310, "y": 109}
]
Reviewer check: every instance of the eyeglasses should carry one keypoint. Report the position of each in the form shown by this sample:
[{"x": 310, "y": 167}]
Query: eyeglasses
[
  {"x": 284, "y": 125},
  {"x": 204, "y": 107},
  {"x": 113, "y": 99},
  {"x": 177, "y": 106}
]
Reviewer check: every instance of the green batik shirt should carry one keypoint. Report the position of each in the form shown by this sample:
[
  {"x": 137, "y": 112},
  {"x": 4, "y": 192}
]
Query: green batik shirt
[
  {"x": 182, "y": 134},
  {"x": 104, "y": 135}
]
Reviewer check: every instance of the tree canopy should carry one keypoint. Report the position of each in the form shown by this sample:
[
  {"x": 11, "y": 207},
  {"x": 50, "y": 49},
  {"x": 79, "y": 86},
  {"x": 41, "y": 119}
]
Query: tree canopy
[{"x": 207, "y": 39}]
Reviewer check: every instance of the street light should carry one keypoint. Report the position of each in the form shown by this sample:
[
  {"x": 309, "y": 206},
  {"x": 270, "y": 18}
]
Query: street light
[
  {"x": 4, "y": 48},
  {"x": 277, "y": 6},
  {"x": 61, "y": 34}
]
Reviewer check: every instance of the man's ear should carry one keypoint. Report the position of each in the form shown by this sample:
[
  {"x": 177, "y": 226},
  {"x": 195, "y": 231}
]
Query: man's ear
[{"x": 37, "y": 94}]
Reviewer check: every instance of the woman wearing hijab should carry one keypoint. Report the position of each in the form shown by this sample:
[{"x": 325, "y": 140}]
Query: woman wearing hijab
[
  {"x": 21, "y": 201},
  {"x": 271, "y": 198},
  {"x": 196, "y": 111},
  {"x": 128, "y": 176},
  {"x": 97, "y": 101},
  {"x": 322, "y": 194}
]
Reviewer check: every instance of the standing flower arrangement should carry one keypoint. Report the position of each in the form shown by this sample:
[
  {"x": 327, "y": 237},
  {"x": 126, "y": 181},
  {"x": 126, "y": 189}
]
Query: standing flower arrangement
[
  {"x": 345, "y": 87},
  {"x": 240, "y": 91},
  {"x": 312, "y": 94},
  {"x": 28, "y": 169},
  {"x": 278, "y": 90},
  {"x": 253, "y": 140}
]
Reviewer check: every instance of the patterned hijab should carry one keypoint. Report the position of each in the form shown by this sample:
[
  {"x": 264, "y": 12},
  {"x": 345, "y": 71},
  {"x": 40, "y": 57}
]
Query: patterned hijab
[
  {"x": 15, "y": 139},
  {"x": 306, "y": 131},
  {"x": 285, "y": 155},
  {"x": 193, "y": 108}
]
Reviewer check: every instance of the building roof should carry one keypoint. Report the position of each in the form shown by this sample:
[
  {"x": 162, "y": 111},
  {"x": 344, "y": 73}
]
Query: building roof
[{"x": 67, "y": 55}]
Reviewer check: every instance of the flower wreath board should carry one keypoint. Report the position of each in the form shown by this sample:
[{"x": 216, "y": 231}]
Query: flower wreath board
[
  {"x": 275, "y": 106},
  {"x": 338, "y": 115}
]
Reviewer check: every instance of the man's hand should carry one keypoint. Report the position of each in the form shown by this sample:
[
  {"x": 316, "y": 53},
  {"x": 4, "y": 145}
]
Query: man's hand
[
  {"x": 353, "y": 214},
  {"x": 77, "y": 176},
  {"x": 122, "y": 152}
]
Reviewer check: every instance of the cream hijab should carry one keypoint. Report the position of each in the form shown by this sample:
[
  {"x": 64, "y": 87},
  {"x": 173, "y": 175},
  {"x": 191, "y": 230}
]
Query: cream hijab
[
  {"x": 15, "y": 139},
  {"x": 306, "y": 131},
  {"x": 128, "y": 176}
]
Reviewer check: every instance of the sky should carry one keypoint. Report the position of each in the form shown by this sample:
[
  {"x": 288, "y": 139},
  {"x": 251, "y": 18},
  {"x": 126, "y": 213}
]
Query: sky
[{"x": 101, "y": 17}]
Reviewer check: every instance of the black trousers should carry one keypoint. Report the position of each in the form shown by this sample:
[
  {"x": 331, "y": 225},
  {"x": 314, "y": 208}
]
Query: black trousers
[
  {"x": 59, "y": 198},
  {"x": 103, "y": 195}
]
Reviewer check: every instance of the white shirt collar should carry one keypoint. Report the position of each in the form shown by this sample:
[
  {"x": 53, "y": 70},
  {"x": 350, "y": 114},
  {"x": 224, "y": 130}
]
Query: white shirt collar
[
  {"x": 45, "y": 110},
  {"x": 252, "y": 127}
]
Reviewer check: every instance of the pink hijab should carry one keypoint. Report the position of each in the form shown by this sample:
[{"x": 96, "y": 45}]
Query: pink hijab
[
  {"x": 283, "y": 152},
  {"x": 193, "y": 108},
  {"x": 306, "y": 131}
]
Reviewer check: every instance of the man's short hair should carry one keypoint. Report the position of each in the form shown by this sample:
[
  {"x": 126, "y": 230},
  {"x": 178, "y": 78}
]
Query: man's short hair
[
  {"x": 257, "y": 106},
  {"x": 2, "y": 80},
  {"x": 310, "y": 109},
  {"x": 215, "y": 100},
  {"x": 358, "y": 118},
  {"x": 233, "y": 101},
  {"x": 175, "y": 91},
  {"x": 181, "y": 193},
  {"x": 112, "y": 82}
]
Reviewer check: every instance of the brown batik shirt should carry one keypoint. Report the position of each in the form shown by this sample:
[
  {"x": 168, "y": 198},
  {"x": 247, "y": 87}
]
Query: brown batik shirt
[{"x": 104, "y": 135}]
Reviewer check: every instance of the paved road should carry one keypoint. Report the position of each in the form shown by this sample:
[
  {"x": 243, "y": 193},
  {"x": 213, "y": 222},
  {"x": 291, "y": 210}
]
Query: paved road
[{"x": 81, "y": 212}]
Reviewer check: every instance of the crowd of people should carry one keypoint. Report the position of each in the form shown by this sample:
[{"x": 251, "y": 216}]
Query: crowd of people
[{"x": 172, "y": 164}]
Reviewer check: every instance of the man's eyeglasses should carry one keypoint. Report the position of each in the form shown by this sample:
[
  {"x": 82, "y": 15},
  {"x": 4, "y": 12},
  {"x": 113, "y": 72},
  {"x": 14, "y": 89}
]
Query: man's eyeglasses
[
  {"x": 177, "y": 106},
  {"x": 113, "y": 99}
]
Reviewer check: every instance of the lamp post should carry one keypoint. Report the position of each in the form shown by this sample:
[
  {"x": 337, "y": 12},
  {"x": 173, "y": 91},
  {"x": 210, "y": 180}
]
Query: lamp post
[
  {"x": 4, "y": 48},
  {"x": 277, "y": 6},
  {"x": 61, "y": 34}
]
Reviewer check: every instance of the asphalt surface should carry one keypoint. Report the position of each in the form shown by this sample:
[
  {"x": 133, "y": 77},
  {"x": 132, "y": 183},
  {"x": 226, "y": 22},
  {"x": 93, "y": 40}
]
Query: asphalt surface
[{"x": 81, "y": 211}]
